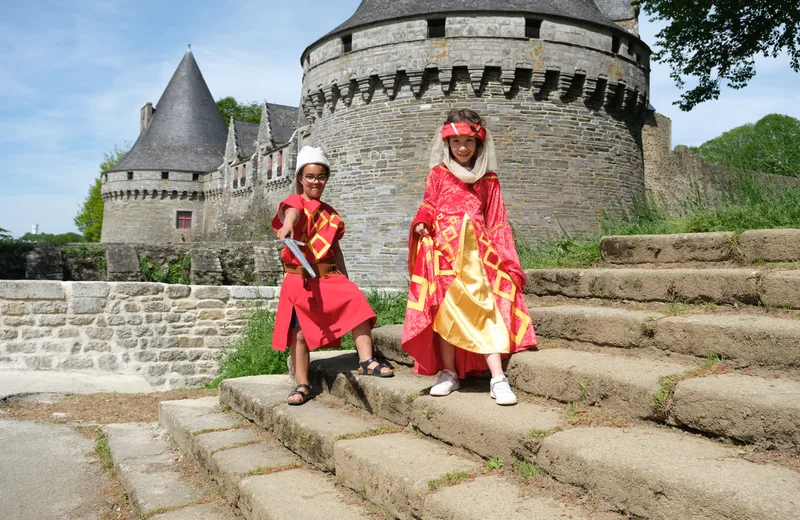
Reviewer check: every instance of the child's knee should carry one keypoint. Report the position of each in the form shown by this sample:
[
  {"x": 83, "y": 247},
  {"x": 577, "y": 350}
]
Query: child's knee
[{"x": 300, "y": 339}]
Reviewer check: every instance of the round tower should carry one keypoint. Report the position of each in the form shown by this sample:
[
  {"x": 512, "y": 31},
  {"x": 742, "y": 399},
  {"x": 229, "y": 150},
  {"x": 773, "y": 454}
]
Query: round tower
[
  {"x": 156, "y": 192},
  {"x": 562, "y": 86}
]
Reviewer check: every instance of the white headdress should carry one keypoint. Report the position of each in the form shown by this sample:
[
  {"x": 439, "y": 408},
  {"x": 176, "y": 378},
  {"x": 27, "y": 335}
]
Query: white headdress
[{"x": 309, "y": 155}]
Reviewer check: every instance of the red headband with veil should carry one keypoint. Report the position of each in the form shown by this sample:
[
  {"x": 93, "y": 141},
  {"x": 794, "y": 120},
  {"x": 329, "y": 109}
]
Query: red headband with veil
[{"x": 467, "y": 129}]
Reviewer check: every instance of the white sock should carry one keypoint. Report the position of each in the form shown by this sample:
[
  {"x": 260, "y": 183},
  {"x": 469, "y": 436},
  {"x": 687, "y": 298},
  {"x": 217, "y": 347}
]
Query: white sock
[{"x": 496, "y": 379}]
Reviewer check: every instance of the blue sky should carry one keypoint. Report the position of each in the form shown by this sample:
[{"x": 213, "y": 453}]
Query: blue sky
[{"x": 72, "y": 81}]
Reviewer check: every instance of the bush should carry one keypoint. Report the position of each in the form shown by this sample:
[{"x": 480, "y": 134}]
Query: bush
[{"x": 174, "y": 271}]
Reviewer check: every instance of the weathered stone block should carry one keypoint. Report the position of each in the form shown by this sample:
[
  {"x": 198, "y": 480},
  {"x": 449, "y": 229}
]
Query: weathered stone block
[
  {"x": 80, "y": 321},
  {"x": 178, "y": 291},
  {"x": 253, "y": 293},
  {"x": 184, "y": 305},
  {"x": 90, "y": 289},
  {"x": 44, "y": 262},
  {"x": 141, "y": 332},
  {"x": 99, "y": 333},
  {"x": 52, "y": 321},
  {"x": 132, "y": 307},
  {"x": 189, "y": 317},
  {"x": 152, "y": 318},
  {"x": 14, "y": 309},
  {"x": 18, "y": 347},
  {"x": 771, "y": 245},
  {"x": 206, "y": 267},
  {"x": 212, "y": 293},
  {"x": 145, "y": 356},
  {"x": 212, "y": 314},
  {"x": 116, "y": 321},
  {"x": 36, "y": 333},
  {"x": 157, "y": 369},
  {"x": 211, "y": 304},
  {"x": 134, "y": 320},
  {"x": 87, "y": 306},
  {"x": 139, "y": 289},
  {"x": 188, "y": 342},
  {"x": 123, "y": 263},
  {"x": 39, "y": 362},
  {"x": 97, "y": 346},
  {"x": 76, "y": 363},
  {"x": 48, "y": 308},
  {"x": 156, "y": 307},
  {"x": 33, "y": 290},
  {"x": 6, "y": 334},
  {"x": 16, "y": 321},
  {"x": 128, "y": 343},
  {"x": 186, "y": 369},
  {"x": 67, "y": 332},
  {"x": 172, "y": 355},
  {"x": 108, "y": 362},
  {"x": 58, "y": 347}
]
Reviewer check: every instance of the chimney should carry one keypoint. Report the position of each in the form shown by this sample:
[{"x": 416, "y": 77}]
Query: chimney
[{"x": 147, "y": 116}]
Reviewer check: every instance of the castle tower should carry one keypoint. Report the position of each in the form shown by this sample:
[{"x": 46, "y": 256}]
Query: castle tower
[
  {"x": 563, "y": 87},
  {"x": 156, "y": 191}
]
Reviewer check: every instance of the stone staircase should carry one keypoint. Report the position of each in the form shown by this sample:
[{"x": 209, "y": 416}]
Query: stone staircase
[{"x": 661, "y": 391}]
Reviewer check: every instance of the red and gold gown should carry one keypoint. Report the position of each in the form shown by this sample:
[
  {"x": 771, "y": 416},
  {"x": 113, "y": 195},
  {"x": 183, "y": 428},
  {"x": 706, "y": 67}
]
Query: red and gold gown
[
  {"x": 466, "y": 279},
  {"x": 327, "y": 308}
]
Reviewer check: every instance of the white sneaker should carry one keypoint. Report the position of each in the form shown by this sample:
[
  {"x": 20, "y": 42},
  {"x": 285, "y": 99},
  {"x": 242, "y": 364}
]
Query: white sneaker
[
  {"x": 501, "y": 392},
  {"x": 447, "y": 382}
]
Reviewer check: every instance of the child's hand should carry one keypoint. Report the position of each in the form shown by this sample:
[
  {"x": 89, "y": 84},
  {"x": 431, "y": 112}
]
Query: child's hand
[
  {"x": 285, "y": 231},
  {"x": 421, "y": 229}
]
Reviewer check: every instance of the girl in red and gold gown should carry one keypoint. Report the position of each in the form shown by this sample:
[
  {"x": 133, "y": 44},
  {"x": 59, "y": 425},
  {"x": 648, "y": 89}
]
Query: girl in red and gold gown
[
  {"x": 466, "y": 310},
  {"x": 317, "y": 312}
]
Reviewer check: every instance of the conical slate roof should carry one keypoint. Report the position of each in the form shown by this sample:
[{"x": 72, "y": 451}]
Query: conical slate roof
[
  {"x": 376, "y": 11},
  {"x": 187, "y": 132}
]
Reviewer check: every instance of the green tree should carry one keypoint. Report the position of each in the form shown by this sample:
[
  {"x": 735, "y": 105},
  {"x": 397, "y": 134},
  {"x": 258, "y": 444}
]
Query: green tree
[
  {"x": 716, "y": 41},
  {"x": 47, "y": 238},
  {"x": 5, "y": 234},
  {"x": 770, "y": 145},
  {"x": 247, "y": 112},
  {"x": 89, "y": 219}
]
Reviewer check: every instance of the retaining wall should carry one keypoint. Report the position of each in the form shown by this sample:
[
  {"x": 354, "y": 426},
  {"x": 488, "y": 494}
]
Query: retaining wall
[{"x": 170, "y": 334}]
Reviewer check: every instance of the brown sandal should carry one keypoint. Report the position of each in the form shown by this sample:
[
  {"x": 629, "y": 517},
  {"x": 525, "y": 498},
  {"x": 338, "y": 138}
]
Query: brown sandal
[{"x": 377, "y": 370}]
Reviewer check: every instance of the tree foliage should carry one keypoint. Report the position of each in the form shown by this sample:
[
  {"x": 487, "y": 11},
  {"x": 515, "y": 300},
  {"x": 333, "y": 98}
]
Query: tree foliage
[
  {"x": 47, "y": 238},
  {"x": 769, "y": 145},
  {"x": 246, "y": 112},
  {"x": 716, "y": 41},
  {"x": 5, "y": 234},
  {"x": 89, "y": 219}
]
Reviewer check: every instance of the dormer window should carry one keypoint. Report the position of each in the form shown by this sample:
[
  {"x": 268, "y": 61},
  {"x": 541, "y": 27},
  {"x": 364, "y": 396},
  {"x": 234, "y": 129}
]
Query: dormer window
[
  {"x": 347, "y": 43},
  {"x": 533, "y": 28},
  {"x": 436, "y": 28},
  {"x": 164, "y": 176},
  {"x": 195, "y": 176},
  {"x": 130, "y": 176}
]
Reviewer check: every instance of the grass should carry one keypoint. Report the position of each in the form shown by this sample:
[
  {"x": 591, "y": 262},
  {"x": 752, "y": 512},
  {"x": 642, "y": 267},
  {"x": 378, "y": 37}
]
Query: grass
[
  {"x": 745, "y": 203},
  {"x": 448, "y": 479},
  {"x": 713, "y": 359},
  {"x": 535, "y": 433},
  {"x": 389, "y": 307},
  {"x": 660, "y": 400},
  {"x": 494, "y": 464},
  {"x": 527, "y": 470}
]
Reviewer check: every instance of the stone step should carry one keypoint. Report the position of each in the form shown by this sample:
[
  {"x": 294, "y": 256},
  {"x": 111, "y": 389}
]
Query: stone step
[
  {"x": 746, "y": 408},
  {"x": 157, "y": 488},
  {"x": 254, "y": 472},
  {"x": 763, "y": 340},
  {"x": 721, "y": 286},
  {"x": 772, "y": 245},
  {"x": 400, "y": 475},
  {"x": 655, "y": 473},
  {"x": 469, "y": 418}
]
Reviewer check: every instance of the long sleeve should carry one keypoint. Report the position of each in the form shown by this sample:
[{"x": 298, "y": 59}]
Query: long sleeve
[
  {"x": 425, "y": 214},
  {"x": 500, "y": 232}
]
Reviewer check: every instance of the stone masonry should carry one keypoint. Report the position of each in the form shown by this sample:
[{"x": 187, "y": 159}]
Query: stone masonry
[{"x": 170, "y": 334}]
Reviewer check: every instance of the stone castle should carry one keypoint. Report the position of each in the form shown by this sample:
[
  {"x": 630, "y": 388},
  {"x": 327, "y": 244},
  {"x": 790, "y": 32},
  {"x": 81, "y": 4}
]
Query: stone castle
[{"x": 563, "y": 86}]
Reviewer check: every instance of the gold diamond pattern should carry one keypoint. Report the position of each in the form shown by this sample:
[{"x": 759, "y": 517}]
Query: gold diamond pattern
[
  {"x": 496, "y": 264},
  {"x": 418, "y": 305},
  {"x": 318, "y": 252},
  {"x": 450, "y": 233},
  {"x": 500, "y": 277},
  {"x": 525, "y": 322},
  {"x": 437, "y": 267}
]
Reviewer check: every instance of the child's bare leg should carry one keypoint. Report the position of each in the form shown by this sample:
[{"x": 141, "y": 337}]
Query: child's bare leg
[
  {"x": 362, "y": 335},
  {"x": 298, "y": 349},
  {"x": 495, "y": 363},
  {"x": 448, "y": 353}
]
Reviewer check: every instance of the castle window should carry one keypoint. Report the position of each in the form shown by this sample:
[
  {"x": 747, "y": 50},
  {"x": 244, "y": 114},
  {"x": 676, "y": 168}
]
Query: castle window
[
  {"x": 436, "y": 28},
  {"x": 630, "y": 47},
  {"x": 183, "y": 220},
  {"x": 244, "y": 175},
  {"x": 533, "y": 28},
  {"x": 130, "y": 176},
  {"x": 164, "y": 176},
  {"x": 269, "y": 170},
  {"x": 280, "y": 163},
  {"x": 105, "y": 177},
  {"x": 347, "y": 42},
  {"x": 195, "y": 176},
  {"x": 236, "y": 177},
  {"x": 615, "y": 44}
]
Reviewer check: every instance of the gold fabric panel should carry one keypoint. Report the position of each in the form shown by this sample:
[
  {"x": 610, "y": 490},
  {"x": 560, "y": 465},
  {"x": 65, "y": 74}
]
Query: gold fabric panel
[{"x": 468, "y": 316}]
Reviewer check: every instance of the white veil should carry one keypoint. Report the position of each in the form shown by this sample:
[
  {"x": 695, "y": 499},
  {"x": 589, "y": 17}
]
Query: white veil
[{"x": 486, "y": 161}]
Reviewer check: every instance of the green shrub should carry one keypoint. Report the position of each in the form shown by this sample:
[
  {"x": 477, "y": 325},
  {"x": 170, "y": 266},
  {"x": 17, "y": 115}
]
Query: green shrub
[{"x": 174, "y": 271}]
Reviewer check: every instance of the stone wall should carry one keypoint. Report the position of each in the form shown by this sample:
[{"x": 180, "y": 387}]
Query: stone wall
[
  {"x": 675, "y": 177},
  {"x": 170, "y": 334}
]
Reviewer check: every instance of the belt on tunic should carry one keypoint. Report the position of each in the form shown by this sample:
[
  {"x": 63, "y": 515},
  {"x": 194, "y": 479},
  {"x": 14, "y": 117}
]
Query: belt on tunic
[{"x": 322, "y": 269}]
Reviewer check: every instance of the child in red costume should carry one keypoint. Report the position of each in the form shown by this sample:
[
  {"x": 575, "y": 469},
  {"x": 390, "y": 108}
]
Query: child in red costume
[
  {"x": 466, "y": 310},
  {"x": 317, "y": 312}
]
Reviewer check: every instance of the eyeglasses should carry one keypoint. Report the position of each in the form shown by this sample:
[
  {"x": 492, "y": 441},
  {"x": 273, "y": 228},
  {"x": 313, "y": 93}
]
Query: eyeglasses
[{"x": 312, "y": 178}]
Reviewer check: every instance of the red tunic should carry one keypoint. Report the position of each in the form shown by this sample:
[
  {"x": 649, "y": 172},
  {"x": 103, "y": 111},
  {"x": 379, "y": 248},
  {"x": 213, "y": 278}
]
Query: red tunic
[
  {"x": 466, "y": 279},
  {"x": 327, "y": 308}
]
